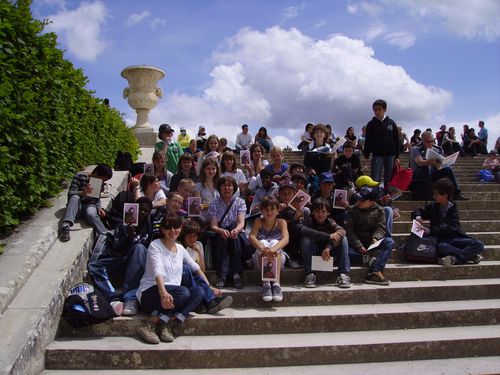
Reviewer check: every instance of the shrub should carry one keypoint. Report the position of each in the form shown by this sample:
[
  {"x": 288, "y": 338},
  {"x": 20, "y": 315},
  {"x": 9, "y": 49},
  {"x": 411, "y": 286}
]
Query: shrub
[{"x": 50, "y": 124}]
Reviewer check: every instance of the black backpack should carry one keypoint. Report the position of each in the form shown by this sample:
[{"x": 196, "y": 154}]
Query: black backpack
[
  {"x": 85, "y": 306},
  {"x": 123, "y": 161}
]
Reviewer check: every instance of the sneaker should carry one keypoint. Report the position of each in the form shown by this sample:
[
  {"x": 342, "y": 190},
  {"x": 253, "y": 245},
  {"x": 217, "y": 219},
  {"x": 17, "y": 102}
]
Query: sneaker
[
  {"x": 267, "y": 294},
  {"x": 201, "y": 309},
  {"x": 377, "y": 278},
  {"x": 164, "y": 332},
  {"x": 310, "y": 281},
  {"x": 220, "y": 283},
  {"x": 130, "y": 307},
  {"x": 148, "y": 333},
  {"x": 64, "y": 235},
  {"x": 343, "y": 281},
  {"x": 277, "y": 293},
  {"x": 368, "y": 260},
  {"x": 447, "y": 261},
  {"x": 460, "y": 197},
  {"x": 477, "y": 258},
  {"x": 117, "y": 307},
  {"x": 237, "y": 283},
  {"x": 220, "y": 303}
]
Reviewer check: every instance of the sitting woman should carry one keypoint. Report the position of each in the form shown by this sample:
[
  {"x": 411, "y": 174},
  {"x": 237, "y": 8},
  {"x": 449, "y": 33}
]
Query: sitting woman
[
  {"x": 228, "y": 168},
  {"x": 450, "y": 145},
  {"x": 415, "y": 138},
  {"x": 206, "y": 188},
  {"x": 185, "y": 169},
  {"x": 160, "y": 292},
  {"x": 149, "y": 187},
  {"x": 263, "y": 139},
  {"x": 160, "y": 171},
  {"x": 212, "y": 149},
  {"x": 227, "y": 220}
]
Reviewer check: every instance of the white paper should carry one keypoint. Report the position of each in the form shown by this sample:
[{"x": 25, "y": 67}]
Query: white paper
[
  {"x": 373, "y": 246},
  {"x": 449, "y": 160},
  {"x": 96, "y": 184},
  {"x": 417, "y": 228},
  {"x": 430, "y": 154},
  {"x": 318, "y": 264},
  {"x": 339, "y": 143}
]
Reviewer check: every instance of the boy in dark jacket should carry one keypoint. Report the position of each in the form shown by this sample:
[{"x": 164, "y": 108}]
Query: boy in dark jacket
[
  {"x": 382, "y": 140},
  {"x": 365, "y": 226},
  {"x": 454, "y": 245},
  {"x": 321, "y": 235}
]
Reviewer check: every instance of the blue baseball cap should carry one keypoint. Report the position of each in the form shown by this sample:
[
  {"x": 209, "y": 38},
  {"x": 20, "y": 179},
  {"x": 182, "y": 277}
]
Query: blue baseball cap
[{"x": 326, "y": 177}]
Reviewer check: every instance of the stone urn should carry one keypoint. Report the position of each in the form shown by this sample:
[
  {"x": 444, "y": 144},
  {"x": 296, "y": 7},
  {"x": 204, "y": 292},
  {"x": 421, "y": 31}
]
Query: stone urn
[{"x": 142, "y": 95}]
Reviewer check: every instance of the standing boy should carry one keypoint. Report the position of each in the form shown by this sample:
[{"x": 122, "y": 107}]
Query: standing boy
[
  {"x": 365, "y": 226},
  {"x": 454, "y": 245},
  {"x": 382, "y": 141},
  {"x": 173, "y": 150}
]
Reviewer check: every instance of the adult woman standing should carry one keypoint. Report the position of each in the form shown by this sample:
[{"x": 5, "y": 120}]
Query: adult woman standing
[{"x": 227, "y": 220}]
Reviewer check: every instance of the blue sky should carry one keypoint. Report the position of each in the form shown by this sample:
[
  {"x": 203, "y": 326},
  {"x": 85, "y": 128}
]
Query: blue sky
[{"x": 282, "y": 63}]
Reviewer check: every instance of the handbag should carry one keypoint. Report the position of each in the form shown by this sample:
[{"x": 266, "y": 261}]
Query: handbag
[
  {"x": 401, "y": 177},
  {"x": 421, "y": 250}
]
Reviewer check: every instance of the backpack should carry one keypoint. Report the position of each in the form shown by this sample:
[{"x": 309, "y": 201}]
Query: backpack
[
  {"x": 421, "y": 250},
  {"x": 85, "y": 306},
  {"x": 115, "y": 214},
  {"x": 123, "y": 161},
  {"x": 137, "y": 168},
  {"x": 486, "y": 175}
]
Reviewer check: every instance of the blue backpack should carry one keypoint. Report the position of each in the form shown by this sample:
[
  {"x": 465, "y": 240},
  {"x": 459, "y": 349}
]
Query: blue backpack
[{"x": 486, "y": 175}]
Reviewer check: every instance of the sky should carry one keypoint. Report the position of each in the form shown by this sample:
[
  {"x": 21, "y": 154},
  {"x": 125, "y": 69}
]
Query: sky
[{"x": 281, "y": 64}]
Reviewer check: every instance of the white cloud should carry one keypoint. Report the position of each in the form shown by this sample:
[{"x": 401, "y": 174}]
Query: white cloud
[
  {"x": 292, "y": 12},
  {"x": 374, "y": 31},
  {"x": 80, "y": 29},
  {"x": 320, "y": 23},
  {"x": 352, "y": 8},
  {"x": 157, "y": 22},
  {"x": 136, "y": 18},
  {"x": 401, "y": 39},
  {"x": 262, "y": 78}
]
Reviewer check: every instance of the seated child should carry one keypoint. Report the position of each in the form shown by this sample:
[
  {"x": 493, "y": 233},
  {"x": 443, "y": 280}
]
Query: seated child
[
  {"x": 189, "y": 239},
  {"x": 269, "y": 235},
  {"x": 322, "y": 235},
  {"x": 277, "y": 167},
  {"x": 346, "y": 167},
  {"x": 300, "y": 181},
  {"x": 492, "y": 164},
  {"x": 268, "y": 188},
  {"x": 325, "y": 191},
  {"x": 80, "y": 202},
  {"x": 454, "y": 245},
  {"x": 185, "y": 190},
  {"x": 365, "y": 226}
]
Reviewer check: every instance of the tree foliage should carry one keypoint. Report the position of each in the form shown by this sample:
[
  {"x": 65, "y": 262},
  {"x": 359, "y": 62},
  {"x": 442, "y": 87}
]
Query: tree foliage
[{"x": 50, "y": 124}]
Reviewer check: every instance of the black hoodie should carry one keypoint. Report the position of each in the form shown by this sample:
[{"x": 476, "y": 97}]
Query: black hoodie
[{"x": 381, "y": 138}]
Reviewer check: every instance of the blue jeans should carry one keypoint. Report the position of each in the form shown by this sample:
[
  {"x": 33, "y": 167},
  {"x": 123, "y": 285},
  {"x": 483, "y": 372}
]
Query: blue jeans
[
  {"x": 387, "y": 162},
  {"x": 131, "y": 266},
  {"x": 189, "y": 280},
  {"x": 340, "y": 254},
  {"x": 228, "y": 256},
  {"x": 449, "y": 174},
  {"x": 186, "y": 300},
  {"x": 75, "y": 208},
  {"x": 388, "y": 219},
  {"x": 462, "y": 248},
  {"x": 382, "y": 252}
]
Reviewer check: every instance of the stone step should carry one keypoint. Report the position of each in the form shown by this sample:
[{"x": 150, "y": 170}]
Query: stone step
[
  {"x": 405, "y": 205},
  {"x": 467, "y": 225},
  {"x": 472, "y": 195},
  {"x": 456, "y": 366},
  {"x": 482, "y": 186},
  {"x": 303, "y": 319},
  {"x": 274, "y": 349},
  {"x": 487, "y": 238},
  {"x": 464, "y": 215},
  {"x": 394, "y": 271}
]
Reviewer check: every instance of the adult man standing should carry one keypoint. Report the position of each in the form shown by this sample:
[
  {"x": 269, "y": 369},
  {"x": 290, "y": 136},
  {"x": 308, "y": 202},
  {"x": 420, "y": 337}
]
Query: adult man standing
[
  {"x": 244, "y": 139},
  {"x": 483, "y": 137}
]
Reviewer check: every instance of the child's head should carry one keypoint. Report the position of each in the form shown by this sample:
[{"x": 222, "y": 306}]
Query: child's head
[
  {"x": 102, "y": 171},
  {"x": 319, "y": 133},
  {"x": 159, "y": 159},
  {"x": 145, "y": 207},
  {"x": 149, "y": 183},
  {"x": 320, "y": 209},
  {"x": 185, "y": 164},
  {"x": 286, "y": 192},
  {"x": 170, "y": 227},
  {"x": 192, "y": 143},
  {"x": 493, "y": 154},
  {"x": 174, "y": 201},
  {"x": 256, "y": 152},
  {"x": 296, "y": 168},
  {"x": 186, "y": 187},
  {"x": 309, "y": 127},
  {"x": 212, "y": 144},
  {"x": 228, "y": 162},
  {"x": 189, "y": 233},
  {"x": 348, "y": 150},
  {"x": 269, "y": 207},
  {"x": 223, "y": 143},
  {"x": 165, "y": 132},
  {"x": 267, "y": 178},
  {"x": 350, "y": 131},
  {"x": 442, "y": 190},
  {"x": 276, "y": 155},
  {"x": 366, "y": 197},
  {"x": 379, "y": 107},
  {"x": 326, "y": 183},
  {"x": 210, "y": 170},
  {"x": 299, "y": 180}
]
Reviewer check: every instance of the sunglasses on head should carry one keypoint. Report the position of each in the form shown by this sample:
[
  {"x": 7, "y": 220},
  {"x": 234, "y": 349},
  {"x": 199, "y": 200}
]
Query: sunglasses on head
[{"x": 171, "y": 226}]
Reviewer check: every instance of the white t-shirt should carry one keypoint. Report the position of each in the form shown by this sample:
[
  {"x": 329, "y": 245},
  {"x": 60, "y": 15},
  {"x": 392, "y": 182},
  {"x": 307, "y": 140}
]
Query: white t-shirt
[
  {"x": 160, "y": 194},
  {"x": 239, "y": 176},
  {"x": 162, "y": 262}
]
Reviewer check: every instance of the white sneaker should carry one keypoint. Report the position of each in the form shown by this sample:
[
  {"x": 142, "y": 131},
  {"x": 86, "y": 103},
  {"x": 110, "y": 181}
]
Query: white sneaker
[
  {"x": 343, "y": 281},
  {"x": 267, "y": 294},
  {"x": 277, "y": 293},
  {"x": 117, "y": 307},
  {"x": 130, "y": 307}
]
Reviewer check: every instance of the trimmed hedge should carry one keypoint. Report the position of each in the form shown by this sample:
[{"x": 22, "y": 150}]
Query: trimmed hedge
[{"x": 50, "y": 123}]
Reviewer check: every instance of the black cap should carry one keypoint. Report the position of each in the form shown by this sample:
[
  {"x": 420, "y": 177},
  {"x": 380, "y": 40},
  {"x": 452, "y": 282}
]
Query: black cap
[
  {"x": 165, "y": 128},
  {"x": 368, "y": 193}
]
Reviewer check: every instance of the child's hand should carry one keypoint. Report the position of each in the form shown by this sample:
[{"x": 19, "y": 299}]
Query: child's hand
[
  {"x": 362, "y": 250},
  {"x": 101, "y": 212},
  {"x": 335, "y": 237},
  {"x": 134, "y": 182},
  {"x": 216, "y": 291},
  {"x": 326, "y": 255}
]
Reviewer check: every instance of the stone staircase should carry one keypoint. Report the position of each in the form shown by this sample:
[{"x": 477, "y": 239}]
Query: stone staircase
[{"x": 428, "y": 313}]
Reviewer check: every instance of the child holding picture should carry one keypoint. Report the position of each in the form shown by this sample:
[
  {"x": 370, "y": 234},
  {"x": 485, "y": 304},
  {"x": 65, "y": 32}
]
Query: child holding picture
[{"x": 269, "y": 235}]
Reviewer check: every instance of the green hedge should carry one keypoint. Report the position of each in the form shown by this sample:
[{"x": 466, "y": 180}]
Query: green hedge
[{"x": 50, "y": 123}]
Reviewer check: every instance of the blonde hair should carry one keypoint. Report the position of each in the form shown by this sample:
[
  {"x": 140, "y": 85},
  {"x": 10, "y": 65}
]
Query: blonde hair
[{"x": 276, "y": 150}]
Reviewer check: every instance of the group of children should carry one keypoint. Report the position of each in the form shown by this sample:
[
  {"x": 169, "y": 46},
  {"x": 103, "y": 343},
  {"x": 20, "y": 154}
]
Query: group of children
[{"x": 162, "y": 258}]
